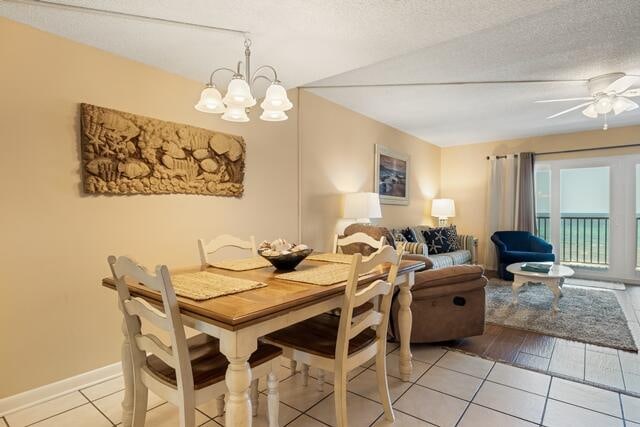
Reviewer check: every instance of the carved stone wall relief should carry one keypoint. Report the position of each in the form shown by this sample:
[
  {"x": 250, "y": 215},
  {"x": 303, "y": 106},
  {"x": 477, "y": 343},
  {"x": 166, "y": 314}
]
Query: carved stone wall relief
[{"x": 123, "y": 153}]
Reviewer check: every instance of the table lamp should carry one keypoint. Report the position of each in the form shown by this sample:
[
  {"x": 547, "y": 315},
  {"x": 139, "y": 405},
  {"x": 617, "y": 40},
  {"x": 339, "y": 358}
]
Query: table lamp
[
  {"x": 362, "y": 206},
  {"x": 443, "y": 209}
]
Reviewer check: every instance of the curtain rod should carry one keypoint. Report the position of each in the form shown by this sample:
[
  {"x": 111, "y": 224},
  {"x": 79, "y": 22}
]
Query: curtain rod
[{"x": 577, "y": 150}]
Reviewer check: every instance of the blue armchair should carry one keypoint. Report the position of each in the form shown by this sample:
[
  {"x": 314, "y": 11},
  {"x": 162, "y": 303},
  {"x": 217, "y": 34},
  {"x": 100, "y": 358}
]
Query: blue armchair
[{"x": 519, "y": 246}]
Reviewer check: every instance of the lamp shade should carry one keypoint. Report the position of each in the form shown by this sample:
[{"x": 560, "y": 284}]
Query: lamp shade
[
  {"x": 235, "y": 114},
  {"x": 443, "y": 208},
  {"x": 362, "y": 206},
  {"x": 239, "y": 94},
  {"x": 210, "y": 101},
  {"x": 273, "y": 116},
  {"x": 276, "y": 99}
]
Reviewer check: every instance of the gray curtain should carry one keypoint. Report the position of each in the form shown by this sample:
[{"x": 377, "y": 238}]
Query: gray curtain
[{"x": 526, "y": 196}]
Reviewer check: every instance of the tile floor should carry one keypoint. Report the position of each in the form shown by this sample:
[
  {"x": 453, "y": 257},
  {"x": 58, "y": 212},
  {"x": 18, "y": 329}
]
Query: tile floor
[
  {"x": 592, "y": 364},
  {"x": 448, "y": 389}
]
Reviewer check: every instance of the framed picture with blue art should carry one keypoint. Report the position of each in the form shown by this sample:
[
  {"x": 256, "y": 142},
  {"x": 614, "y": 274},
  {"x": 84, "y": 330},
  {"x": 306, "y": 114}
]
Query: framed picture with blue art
[{"x": 391, "y": 176}]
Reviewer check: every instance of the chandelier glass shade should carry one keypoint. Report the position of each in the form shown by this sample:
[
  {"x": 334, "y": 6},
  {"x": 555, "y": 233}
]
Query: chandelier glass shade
[{"x": 239, "y": 96}]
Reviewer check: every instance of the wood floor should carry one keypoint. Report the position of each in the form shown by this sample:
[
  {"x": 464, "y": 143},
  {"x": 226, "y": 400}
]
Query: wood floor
[{"x": 615, "y": 369}]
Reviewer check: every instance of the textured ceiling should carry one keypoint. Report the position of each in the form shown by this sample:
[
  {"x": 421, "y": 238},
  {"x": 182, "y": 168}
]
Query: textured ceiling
[{"x": 384, "y": 41}]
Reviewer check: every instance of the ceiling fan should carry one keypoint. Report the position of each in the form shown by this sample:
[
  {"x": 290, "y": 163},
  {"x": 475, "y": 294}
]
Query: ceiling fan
[{"x": 609, "y": 93}]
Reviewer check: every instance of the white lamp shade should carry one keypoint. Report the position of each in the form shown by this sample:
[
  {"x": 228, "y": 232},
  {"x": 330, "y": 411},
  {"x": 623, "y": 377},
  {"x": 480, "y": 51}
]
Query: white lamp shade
[
  {"x": 210, "y": 101},
  {"x": 443, "y": 208},
  {"x": 239, "y": 94},
  {"x": 362, "y": 206},
  {"x": 235, "y": 114},
  {"x": 276, "y": 99},
  {"x": 622, "y": 104},
  {"x": 273, "y": 116},
  {"x": 604, "y": 105}
]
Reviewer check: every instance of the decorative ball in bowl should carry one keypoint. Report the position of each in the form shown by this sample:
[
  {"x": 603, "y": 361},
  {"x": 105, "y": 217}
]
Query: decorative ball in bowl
[{"x": 283, "y": 255}]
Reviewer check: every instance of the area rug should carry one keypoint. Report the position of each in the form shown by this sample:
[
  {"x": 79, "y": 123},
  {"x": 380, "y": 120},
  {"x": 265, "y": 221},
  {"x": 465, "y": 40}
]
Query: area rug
[{"x": 589, "y": 315}]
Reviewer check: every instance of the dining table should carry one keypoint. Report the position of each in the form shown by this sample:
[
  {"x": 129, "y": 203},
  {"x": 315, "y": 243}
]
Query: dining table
[{"x": 239, "y": 320}]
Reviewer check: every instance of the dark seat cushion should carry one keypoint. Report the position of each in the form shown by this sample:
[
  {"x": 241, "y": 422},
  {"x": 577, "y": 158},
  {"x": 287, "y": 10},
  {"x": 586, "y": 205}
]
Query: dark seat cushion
[
  {"x": 318, "y": 336},
  {"x": 209, "y": 366}
]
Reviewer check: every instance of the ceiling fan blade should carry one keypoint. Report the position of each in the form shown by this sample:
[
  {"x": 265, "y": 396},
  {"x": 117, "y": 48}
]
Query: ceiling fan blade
[
  {"x": 590, "y": 111},
  {"x": 584, "y": 98},
  {"x": 622, "y": 84},
  {"x": 569, "y": 110},
  {"x": 631, "y": 93}
]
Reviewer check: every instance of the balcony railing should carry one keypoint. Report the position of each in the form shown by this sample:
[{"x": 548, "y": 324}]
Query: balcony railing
[{"x": 583, "y": 239}]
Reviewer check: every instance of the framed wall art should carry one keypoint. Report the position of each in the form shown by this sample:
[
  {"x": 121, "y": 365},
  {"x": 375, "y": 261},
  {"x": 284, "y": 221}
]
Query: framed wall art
[{"x": 391, "y": 176}]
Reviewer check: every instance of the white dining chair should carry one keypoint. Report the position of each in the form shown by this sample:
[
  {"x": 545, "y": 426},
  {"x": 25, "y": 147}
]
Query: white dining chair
[
  {"x": 223, "y": 241},
  {"x": 359, "y": 237},
  {"x": 187, "y": 372},
  {"x": 338, "y": 343}
]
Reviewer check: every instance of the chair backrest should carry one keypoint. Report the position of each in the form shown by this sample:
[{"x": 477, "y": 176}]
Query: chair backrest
[
  {"x": 223, "y": 241},
  {"x": 514, "y": 240},
  {"x": 134, "y": 309},
  {"x": 340, "y": 242},
  {"x": 378, "y": 319}
]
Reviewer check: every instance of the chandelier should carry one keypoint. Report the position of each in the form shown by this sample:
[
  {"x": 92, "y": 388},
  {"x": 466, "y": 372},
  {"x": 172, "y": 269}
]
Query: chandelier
[{"x": 239, "y": 97}]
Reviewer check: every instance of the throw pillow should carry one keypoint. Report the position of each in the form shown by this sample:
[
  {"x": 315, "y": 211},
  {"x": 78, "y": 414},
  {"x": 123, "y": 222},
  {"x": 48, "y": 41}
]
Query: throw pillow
[
  {"x": 441, "y": 240},
  {"x": 409, "y": 234},
  {"x": 397, "y": 235},
  {"x": 416, "y": 248}
]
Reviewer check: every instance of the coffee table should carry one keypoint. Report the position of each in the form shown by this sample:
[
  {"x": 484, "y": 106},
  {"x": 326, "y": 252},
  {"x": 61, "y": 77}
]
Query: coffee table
[{"x": 554, "y": 279}]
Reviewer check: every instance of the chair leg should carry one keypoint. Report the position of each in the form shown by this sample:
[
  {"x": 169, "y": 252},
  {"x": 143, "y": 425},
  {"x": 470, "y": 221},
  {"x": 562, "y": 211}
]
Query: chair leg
[
  {"x": 340, "y": 398},
  {"x": 140, "y": 393},
  {"x": 305, "y": 374},
  {"x": 187, "y": 413},
  {"x": 320, "y": 383},
  {"x": 254, "y": 397},
  {"x": 273, "y": 399},
  {"x": 383, "y": 385},
  {"x": 220, "y": 405},
  {"x": 292, "y": 366}
]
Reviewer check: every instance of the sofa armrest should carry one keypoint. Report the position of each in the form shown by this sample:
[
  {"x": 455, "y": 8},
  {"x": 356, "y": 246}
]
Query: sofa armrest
[
  {"x": 469, "y": 243},
  {"x": 540, "y": 245},
  {"x": 416, "y": 257},
  {"x": 447, "y": 276}
]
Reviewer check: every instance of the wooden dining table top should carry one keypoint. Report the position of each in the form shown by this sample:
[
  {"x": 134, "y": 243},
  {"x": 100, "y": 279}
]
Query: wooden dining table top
[{"x": 243, "y": 309}]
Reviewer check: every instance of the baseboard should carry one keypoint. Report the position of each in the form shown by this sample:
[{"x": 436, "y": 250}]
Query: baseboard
[{"x": 50, "y": 391}]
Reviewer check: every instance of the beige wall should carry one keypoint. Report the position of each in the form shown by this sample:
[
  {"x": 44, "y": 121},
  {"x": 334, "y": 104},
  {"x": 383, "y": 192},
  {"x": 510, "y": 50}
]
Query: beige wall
[
  {"x": 464, "y": 168},
  {"x": 55, "y": 318},
  {"x": 337, "y": 156}
]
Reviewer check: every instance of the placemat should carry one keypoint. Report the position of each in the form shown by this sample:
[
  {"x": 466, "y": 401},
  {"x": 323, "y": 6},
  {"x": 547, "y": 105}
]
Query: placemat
[
  {"x": 203, "y": 285},
  {"x": 323, "y": 275},
  {"x": 329, "y": 257},
  {"x": 242, "y": 264}
]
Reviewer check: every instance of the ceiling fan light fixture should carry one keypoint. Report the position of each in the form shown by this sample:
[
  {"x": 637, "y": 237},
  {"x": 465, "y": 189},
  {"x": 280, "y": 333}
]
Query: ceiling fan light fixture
[
  {"x": 210, "y": 101},
  {"x": 622, "y": 104},
  {"x": 604, "y": 105},
  {"x": 273, "y": 116}
]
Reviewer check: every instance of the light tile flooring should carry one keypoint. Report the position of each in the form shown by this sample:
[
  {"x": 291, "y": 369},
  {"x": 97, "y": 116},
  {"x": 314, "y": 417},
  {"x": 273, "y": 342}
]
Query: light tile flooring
[{"x": 448, "y": 389}]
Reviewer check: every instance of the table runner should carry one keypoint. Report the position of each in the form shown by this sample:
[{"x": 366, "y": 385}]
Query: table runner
[
  {"x": 203, "y": 285},
  {"x": 242, "y": 264},
  {"x": 330, "y": 257}
]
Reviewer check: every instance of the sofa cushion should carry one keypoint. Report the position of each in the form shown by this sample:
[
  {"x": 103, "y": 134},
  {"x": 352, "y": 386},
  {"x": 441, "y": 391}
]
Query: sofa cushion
[
  {"x": 461, "y": 256},
  {"x": 441, "y": 240},
  {"x": 441, "y": 261},
  {"x": 415, "y": 248},
  {"x": 409, "y": 234}
]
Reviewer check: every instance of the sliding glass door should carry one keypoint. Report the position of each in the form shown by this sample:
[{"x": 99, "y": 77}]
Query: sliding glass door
[{"x": 589, "y": 209}]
